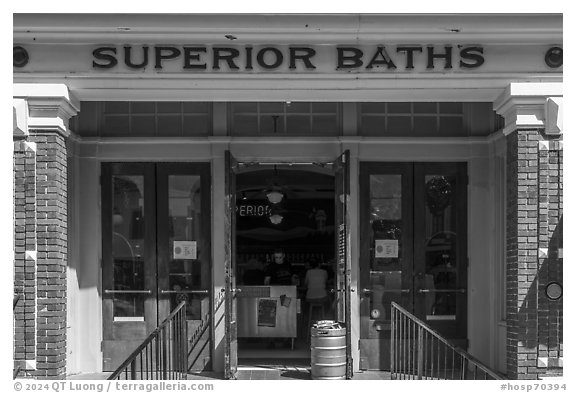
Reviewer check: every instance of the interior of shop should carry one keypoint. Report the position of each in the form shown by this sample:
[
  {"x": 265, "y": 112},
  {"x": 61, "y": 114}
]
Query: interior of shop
[{"x": 285, "y": 245}]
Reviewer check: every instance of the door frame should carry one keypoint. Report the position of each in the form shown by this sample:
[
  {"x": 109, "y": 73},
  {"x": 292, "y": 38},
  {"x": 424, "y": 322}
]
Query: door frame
[{"x": 230, "y": 304}]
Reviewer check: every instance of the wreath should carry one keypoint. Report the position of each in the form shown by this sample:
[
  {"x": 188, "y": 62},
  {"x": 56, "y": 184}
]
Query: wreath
[{"x": 438, "y": 194}]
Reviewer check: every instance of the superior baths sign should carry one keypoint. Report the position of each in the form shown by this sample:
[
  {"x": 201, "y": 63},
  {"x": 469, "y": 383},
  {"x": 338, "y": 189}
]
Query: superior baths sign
[
  {"x": 202, "y": 58},
  {"x": 386, "y": 60}
]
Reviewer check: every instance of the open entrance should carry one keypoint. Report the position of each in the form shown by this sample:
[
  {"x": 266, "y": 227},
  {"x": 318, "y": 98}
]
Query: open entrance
[
  {"x": 290, "y": 226},
  {"x": 285, "y": 259}
]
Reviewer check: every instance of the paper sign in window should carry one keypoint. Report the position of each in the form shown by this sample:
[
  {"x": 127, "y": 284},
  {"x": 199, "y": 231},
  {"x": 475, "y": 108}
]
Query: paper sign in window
[
  {"x": 267, "y": 312},
  {"x": 386, "y": 248},
  {"x": 185, "y": 250}
]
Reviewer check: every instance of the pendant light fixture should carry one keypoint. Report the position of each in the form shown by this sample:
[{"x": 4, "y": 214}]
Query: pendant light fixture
[
  {"x": 274, "y": 196},
  {"x": 274, "y": 193}
]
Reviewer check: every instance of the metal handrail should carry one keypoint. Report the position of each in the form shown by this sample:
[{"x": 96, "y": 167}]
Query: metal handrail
[
  {"x": 417, "y": 349},
  {"x": 163, "y": 354},
  {"x": 16, "y": 300},
  {"x": 16, "y": 369}
]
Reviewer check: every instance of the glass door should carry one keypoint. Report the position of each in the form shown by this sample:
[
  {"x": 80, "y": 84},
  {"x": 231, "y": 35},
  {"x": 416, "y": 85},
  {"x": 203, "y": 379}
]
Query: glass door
[
  {"x": 156, "y": 253},
  {"x": 413, "y": 251},
  {"x": 184, "y": 251},
  {"x": 128, "y": 259},
  {"x": 440, "y": 248}
]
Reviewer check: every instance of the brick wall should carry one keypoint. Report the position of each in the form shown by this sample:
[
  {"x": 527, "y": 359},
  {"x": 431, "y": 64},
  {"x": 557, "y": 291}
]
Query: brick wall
[
  {"x": 550, "y": 346},
  {"x": 51, "y": 184},
  {"x": 24, "y": 267},
  {"x": 534, "y": 210},
  {"x": 40, "y": 233}
]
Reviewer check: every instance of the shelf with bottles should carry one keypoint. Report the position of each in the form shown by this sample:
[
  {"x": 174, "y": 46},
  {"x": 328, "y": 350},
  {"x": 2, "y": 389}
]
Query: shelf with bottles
[{"x": 294, "y": 258}]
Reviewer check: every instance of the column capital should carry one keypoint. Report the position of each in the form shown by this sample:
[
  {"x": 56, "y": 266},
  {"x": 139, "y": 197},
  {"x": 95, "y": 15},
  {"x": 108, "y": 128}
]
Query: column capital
[
  {"x": 49, "y": 107},
  {"x": 526, "y": 105}
]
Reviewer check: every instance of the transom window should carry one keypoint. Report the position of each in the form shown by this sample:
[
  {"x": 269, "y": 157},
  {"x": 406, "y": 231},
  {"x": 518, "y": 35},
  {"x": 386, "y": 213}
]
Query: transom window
[
  {"x": 145, "y": 119},
  {"x": 412, "y": 119},
  {"x": 285, "y": 118}
]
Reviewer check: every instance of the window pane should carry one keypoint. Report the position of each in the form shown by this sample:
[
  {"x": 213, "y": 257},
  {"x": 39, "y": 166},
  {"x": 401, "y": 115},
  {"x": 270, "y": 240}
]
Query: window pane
[
  {"x": 128, "y": 244},
  {"x": 425, "y": 107},
  {"x": 298, "y": 107},
  {"x": 325, "y": 125},
  {"x": 116, "y": 126},
  {"x": 272, "y": 125},
  {"x": 272, "y": 107},
  {"x": 170, "y": 125},
  {"x": 245, "y": 125},
  {"x": 425, "y": 125},
  {"x": 143, "y": 125},
  {"x": 325, "y": 107},
  {"x": 196, "y": 107},
  {"x": 116, "y": 107},
  {"x": 244, "y": 107},
  {"x": 386, "y": 244},
  {"x": 399, "y": 125},
  {"x": 441, "y": 262},
  {"x": 451, "y": 107},
  {"x": 373, "y": 107},
  {"x": 143, "y": 107},
  {"x": 399, "y": 107},
  {"x": 187, "y": 270},
  {"x": 196, "y": 125},
  {"x": 451, "y": 126},
  {"x": 298, "y": 125},
  {"x": 169, "y": 107},
  {"x": 373, "y": 125}
]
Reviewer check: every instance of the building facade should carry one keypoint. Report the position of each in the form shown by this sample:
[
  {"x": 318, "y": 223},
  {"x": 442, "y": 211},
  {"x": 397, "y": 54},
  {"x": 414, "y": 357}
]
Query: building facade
[{"x": 144, "y": 146}]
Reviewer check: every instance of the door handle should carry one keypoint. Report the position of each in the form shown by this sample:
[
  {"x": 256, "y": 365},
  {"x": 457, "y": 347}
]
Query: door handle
[
  {"x": 460, "y": 290},
  {"x": 236, "y": 290},
  {"x": 367, "y": 291},
  {"x": 128, "y": 291},
  {"x": 197, "y": 291}
]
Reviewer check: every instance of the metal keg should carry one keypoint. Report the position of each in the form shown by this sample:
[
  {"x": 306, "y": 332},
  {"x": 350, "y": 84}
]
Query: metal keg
[{"x": 328, "y": 350}]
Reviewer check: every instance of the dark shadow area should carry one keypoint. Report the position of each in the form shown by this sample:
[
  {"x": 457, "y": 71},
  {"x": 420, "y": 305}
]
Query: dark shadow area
[
  {"x": 295, "y": 374},
  {"x": 545, "y": 332}
]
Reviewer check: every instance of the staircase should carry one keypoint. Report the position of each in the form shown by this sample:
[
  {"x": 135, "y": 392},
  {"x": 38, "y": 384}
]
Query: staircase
[{"x": 419, "y": 352}]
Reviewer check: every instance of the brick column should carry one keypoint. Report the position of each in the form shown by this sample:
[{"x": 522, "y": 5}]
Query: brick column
[
  {"x": 40, "y": 228},
  {"x": 534, "y": 231}
]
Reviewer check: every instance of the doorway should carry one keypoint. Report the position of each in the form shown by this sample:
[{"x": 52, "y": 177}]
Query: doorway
[
  {"x": 155, "y": 253},
  {"x": 287, "y": 208},
  {"x": 267, "y": 314},
  {"x": 413, "y": 251}
]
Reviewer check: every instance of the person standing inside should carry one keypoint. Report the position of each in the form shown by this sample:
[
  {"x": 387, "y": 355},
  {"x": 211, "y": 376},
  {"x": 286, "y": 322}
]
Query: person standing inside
[
  {"x": 279, "y": 272},
  {"x": 315, "y": 283}
]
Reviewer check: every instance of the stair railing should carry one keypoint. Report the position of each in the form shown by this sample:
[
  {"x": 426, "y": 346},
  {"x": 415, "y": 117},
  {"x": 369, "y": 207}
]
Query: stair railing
[
  {"x": 419, "y": 352},
  {"x": 163, "y": 354}
]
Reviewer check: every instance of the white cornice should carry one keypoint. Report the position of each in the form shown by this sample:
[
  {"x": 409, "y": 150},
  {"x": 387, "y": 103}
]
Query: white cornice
[
  {"x": 20, "y": 118},
  {"x": 50, "y": 106},
  {"x": 523, "y": 105},
  {"x": 293, "y": 28},
  {"x": 273, "y": 87}
]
